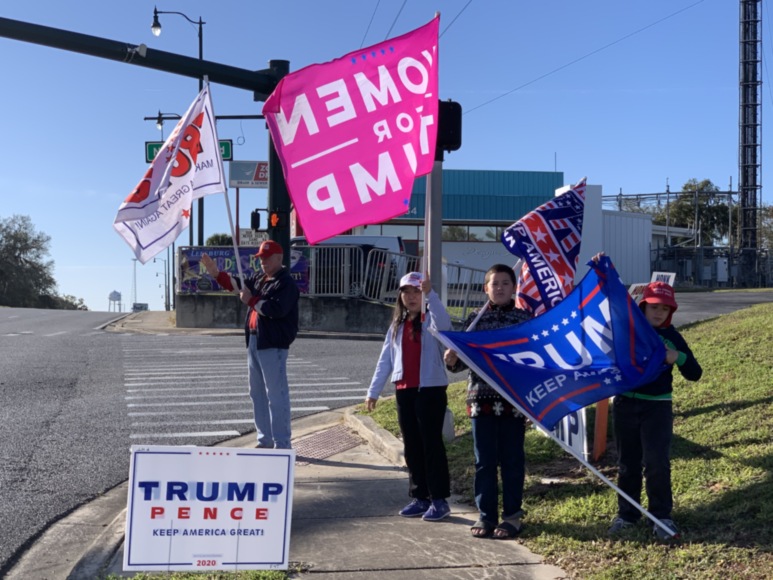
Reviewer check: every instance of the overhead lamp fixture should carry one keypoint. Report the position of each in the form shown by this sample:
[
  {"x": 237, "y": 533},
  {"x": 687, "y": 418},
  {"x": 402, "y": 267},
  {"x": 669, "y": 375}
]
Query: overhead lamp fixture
[{"x": 155, "y": 28}]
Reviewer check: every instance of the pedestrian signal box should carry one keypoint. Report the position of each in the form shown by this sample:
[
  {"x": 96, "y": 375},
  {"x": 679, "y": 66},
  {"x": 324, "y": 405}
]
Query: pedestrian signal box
[{"x": 278, "y": 219}]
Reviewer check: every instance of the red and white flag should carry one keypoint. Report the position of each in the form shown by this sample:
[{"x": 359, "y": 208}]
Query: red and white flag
[
  {"x": 187, "y": 167},
  {"x": 548, "y": 240},
  {"x": 352, "y": 134}
]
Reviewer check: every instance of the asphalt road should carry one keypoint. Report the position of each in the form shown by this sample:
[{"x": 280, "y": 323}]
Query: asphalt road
[
  {"x": 60, "y": 381},
  {"x": 696, "y": 306}
]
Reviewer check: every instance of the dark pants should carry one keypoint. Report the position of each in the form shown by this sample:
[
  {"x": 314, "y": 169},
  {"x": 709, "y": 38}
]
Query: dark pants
[
  {"x": 643, "y": 431},
  {"x": 498, "y": 442},
  {"x": 420, "y": 413}
]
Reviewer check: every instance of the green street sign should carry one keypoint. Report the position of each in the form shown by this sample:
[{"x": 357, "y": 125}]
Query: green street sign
[{"x": 152, "y": 147}]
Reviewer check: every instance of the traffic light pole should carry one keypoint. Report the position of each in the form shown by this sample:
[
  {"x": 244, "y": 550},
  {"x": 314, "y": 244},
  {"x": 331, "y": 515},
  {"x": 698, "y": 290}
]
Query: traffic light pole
[{"x": 278, "y": 196}]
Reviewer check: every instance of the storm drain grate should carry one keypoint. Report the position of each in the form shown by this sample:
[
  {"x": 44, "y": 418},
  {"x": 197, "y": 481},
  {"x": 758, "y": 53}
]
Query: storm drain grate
[{"x": 324, "y": 444}]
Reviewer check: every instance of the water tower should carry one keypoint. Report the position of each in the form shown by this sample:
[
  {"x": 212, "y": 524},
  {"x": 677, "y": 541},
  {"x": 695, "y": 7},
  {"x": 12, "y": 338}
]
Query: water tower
[{"x": 115, "y": 301}]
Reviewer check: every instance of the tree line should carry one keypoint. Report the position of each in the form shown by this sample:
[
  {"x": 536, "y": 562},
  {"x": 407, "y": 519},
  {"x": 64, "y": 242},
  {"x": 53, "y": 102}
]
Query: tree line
[{"x": 26, "y": 272}]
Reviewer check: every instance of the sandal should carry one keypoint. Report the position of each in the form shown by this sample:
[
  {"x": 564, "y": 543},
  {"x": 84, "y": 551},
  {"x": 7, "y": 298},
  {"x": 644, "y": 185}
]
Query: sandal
[
  {"x": 509, "y": 528},
  {"x": 482, "y": 529}
]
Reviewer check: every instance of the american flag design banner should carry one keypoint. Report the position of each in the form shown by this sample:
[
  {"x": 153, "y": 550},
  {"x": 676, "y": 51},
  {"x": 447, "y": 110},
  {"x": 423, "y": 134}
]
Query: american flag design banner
[
  {"x": 593, "y": 344},
  {"x": 548, "y": 240}
]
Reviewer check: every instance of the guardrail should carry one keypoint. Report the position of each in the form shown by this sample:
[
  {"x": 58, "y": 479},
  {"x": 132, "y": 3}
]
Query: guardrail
[{"x": 374, "y": 274}]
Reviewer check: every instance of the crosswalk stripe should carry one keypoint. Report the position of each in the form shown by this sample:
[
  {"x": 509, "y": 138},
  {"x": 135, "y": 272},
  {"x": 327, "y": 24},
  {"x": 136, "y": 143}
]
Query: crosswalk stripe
[
  {"x": 220, "y": 412},
  {"x": 187, "y": 389},
  {"x": 187, "y": 434}
]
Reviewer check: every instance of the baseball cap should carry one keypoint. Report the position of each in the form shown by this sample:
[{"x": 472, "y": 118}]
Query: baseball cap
[
  {"x": 411, "y": 279},
  {"x": 269, "y": 248},
  {"x": 659, "y": 293}
]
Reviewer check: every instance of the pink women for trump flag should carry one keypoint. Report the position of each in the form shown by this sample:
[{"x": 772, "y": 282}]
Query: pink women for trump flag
[
  {"x": 187, "y": 167},
  {"x": 352, "y": 134}
]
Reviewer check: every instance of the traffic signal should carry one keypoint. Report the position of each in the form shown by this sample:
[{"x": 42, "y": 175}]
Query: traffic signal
[
  {"x": 278, "y": 220},
  {"x": 255, "y": 220},
  {"x": 449, "y": 130}
]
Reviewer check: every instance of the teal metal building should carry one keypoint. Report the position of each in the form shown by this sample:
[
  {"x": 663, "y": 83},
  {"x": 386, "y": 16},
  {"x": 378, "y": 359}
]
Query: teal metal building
[
  {"x": 489, "y": 196},
  {"x": 477, "y": 205}
]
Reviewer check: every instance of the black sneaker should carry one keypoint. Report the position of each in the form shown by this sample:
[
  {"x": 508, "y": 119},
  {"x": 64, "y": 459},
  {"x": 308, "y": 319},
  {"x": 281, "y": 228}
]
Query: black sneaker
[
  {"x": 619, "y": 525},
  {"x": 664, "y": 536}
]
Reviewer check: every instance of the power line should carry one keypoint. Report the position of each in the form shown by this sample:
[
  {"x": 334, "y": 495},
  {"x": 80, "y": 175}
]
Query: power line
[
  {"x": 575, "y": 61},
  {"x": 395, "y": 20},
  {"x": 372, "y": 16},
  {"x": 455, "y": 17}
]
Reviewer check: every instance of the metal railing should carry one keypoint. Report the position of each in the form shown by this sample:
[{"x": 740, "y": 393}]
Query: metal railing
[{"x": 374, "y": 274}]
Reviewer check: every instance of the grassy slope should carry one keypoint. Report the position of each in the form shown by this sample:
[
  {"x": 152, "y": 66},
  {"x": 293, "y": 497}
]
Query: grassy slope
[{"x": 722, "y": 471}]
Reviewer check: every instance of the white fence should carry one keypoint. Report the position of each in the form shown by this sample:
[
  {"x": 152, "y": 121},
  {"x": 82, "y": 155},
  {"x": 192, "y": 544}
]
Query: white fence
[{"x": 374, "y": 274}]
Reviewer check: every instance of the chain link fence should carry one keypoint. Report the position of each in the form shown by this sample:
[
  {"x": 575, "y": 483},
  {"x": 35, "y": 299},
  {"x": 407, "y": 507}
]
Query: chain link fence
[{"x": 710, "y": 267}]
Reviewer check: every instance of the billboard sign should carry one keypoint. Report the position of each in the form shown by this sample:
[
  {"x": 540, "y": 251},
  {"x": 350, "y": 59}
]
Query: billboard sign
[
  {"x": 192, "y": 277},
  {"x": 248, "y": 174}
]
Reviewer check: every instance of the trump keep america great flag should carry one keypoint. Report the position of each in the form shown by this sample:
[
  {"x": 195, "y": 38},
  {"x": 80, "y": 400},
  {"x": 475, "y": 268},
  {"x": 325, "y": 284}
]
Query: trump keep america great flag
[{"x": 593, "y": 344}]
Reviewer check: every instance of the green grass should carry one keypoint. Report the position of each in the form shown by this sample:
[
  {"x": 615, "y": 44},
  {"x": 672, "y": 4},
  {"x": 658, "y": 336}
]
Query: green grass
[{"x": 722, "y": 471}]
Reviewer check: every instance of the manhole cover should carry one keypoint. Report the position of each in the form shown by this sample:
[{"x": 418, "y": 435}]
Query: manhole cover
[{"x": 324, "y": 444}]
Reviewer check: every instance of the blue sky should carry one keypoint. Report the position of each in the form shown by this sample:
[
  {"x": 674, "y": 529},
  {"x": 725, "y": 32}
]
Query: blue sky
[{"x": 631, "y": 94}]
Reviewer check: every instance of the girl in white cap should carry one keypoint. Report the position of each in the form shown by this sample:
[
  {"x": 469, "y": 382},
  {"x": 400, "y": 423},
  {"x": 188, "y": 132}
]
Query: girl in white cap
[{"x": 414, "y": 360}]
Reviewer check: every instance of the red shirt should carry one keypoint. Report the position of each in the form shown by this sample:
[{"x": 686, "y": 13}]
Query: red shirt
[{"x": 411, "y": 358}]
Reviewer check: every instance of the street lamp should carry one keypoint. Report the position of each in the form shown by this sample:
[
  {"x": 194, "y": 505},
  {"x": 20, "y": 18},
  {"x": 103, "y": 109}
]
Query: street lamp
[
  {"x": 155, "y": 28},
  {"x": 160, "y": 118},
  {"x": 166, "y": 281}
]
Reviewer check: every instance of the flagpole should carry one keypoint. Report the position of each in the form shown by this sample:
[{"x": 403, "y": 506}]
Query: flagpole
[
  {"x": 205, "y": 80},
  {"x": 233, "y": 238},
  {"x": 550, "y": 434}
]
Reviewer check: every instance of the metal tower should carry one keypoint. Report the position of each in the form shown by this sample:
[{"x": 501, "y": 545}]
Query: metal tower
[{"x": 749, "y": 137}]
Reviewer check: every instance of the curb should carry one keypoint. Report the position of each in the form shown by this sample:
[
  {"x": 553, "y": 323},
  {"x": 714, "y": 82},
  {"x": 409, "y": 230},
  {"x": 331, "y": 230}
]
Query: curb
[
  {"x": 377, "y": 437},
  {"x": 97, "y": 557}
]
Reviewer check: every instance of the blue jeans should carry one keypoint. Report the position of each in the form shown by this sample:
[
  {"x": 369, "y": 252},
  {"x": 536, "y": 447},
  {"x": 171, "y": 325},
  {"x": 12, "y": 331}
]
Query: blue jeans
[
  {"x": 499, "y": 442},
  {"x": 643, "y": 431},
  {"x": 270, "y": 394}
]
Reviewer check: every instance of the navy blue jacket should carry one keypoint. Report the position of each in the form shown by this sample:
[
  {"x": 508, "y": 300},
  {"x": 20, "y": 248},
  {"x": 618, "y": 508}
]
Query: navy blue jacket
[{"x": 276, "y": 301}]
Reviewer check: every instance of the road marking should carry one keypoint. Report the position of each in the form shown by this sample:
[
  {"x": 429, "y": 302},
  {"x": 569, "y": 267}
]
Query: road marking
[
  {"x": 310, "y": 399},
  {"x": 221, "y": 412},
  {"x": 184, "y": 395},
  {"x": 220, "y": 422},
  {"x": 187, "y": 389},
  {"x": 56, "y": 333},
  {"x": 190, "y": 434},
  {"x": 166, "y": 381}
]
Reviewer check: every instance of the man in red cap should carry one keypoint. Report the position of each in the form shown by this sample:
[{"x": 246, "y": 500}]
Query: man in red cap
[{"x": 270, "y": 329}]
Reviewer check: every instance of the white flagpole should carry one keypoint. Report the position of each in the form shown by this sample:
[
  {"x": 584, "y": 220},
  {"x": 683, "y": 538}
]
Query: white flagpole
[
  {"x": 225, "y": 192},
  {"x": 550, "y": 434},
  {"x": 233, "y": 237}
]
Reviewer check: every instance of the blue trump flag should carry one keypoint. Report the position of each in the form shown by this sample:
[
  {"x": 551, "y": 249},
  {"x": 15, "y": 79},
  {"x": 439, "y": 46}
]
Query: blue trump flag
[{"x": 593, "y": 344}]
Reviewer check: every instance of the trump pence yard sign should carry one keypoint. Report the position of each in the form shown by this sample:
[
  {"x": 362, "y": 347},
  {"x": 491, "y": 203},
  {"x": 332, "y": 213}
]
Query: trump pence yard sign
[{"x": 207, "y": 508}]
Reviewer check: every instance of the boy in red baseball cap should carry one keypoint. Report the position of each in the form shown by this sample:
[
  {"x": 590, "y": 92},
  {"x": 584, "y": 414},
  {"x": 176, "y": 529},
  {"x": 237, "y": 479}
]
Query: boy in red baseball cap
[{"x": 643, "y": 421}]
